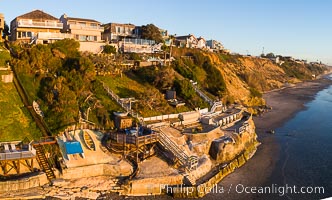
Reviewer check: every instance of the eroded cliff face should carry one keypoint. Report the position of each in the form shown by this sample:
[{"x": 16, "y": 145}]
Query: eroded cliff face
[
  {"x": 245, "y": 78},
  {"x": 243, "y": 73},
  {"x": 226, "y": 152}
]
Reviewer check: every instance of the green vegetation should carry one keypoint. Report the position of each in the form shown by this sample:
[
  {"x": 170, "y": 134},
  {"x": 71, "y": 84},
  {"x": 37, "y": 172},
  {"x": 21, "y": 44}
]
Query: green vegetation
[
  {"x": 194, "y": 65},
  {"x": 64, "y": 81},
  {"x": 108, "y": 49},
  {"x": 60, "y": 78},
  {"x": 164, "y": 78},
  {"x": 4, "y": 55},
  {"x": 151, "y": 32},
  {"x": 16, "y": 122},
  {"x": 150, "y": 102},
  {"x": 299, "y": 71}
]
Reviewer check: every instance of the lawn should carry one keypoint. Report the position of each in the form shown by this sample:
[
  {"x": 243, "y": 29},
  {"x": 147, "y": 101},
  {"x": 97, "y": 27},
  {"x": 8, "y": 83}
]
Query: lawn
[{"x": 15, "y": 120}]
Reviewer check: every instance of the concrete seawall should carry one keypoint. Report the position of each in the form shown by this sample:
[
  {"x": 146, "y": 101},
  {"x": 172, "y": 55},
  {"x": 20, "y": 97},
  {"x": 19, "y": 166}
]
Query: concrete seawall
[
  {"x": 23, "y": 184},
  {"x": 95, "y": 170}
]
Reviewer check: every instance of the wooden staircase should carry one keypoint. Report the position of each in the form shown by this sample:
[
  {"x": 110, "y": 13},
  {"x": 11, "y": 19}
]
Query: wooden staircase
[{"x": 43, "y": 162}]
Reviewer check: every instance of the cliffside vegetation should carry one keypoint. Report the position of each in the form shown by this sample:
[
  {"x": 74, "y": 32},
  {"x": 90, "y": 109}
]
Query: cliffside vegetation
[
  {"x": 65, "y": 84},
  {"x": 61, "y": 80},
  {"x": 4, "y": 55}
]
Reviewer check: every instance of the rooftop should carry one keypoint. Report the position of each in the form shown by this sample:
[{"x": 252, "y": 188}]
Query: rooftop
[{"x": 37, "y": 15}]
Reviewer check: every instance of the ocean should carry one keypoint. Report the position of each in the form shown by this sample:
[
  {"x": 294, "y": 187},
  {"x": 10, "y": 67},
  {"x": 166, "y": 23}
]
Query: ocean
[{"x": 305, "y": 161}]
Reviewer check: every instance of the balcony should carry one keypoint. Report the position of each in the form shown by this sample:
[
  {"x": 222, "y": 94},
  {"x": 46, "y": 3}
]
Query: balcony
[
  {"x": 53, "y": 36},
  {"x": 32, "y": 24},
  {"x": 81, "y": 27}
]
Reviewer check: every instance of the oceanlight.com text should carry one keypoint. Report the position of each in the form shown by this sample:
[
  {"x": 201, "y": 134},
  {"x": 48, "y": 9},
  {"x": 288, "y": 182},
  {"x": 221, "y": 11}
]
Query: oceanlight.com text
[{"x": 280, "y": 190}]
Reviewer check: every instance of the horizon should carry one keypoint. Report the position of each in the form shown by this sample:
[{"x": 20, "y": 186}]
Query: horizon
[{"x": 298, "y": 29}]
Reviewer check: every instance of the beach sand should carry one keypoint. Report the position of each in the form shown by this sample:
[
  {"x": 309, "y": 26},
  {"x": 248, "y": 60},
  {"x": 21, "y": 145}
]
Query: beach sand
[{"x": 285, "y": 104}]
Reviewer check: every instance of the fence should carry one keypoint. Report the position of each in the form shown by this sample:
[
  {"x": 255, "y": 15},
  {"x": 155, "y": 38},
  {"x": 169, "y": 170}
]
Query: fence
[{"x": 171, "y": 116}]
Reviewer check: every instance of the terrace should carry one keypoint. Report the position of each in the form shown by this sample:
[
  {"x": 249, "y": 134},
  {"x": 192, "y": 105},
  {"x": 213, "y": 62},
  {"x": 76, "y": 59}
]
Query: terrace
[{"x": 34, "y": 24}]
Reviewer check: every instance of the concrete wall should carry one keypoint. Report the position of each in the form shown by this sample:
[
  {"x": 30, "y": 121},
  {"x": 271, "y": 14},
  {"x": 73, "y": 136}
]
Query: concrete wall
[
  {"x": 93, "y": 47},
  {"x": 96, "y": 170},
  {"x": 24, "y": 183},
  {"x": 149, "y": 186},
  {"x": 7, "y": 78}
]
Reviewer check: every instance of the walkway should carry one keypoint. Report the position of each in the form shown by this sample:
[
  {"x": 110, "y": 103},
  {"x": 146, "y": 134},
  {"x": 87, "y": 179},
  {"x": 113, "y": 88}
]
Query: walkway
[{"x": 122, "y": 102}]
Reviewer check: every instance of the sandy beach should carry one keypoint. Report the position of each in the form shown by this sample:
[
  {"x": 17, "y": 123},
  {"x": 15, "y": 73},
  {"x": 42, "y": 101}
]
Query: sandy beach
[{"x": 285, "y": 104}]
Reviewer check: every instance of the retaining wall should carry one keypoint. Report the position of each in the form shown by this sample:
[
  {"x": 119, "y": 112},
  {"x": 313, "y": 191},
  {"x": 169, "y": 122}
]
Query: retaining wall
[
  {"x": 95, "y": 170},
  {"x": 23, "y": 184}
]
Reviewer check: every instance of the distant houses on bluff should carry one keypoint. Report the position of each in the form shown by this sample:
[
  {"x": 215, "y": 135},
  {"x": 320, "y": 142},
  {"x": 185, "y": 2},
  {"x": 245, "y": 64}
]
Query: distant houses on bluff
[{"x": 38, "y": 27}]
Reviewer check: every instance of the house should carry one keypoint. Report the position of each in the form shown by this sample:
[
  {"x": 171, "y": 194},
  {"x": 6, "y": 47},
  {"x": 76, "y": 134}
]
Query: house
[
  {"x": 215, "y": 45},
  {"x": 114, "y": 32},
  {"x": 164, "y": 33},
  {"x": 201, "y": 43},
  {"x": 82, "y": 29},
  {"x": 2, "y": 25},
  {"x": 134, "y": 45},
  {"x": 87, "y": 31},
  {"x": 188, "y": 41},
  {"x": 27, "y": 27}
]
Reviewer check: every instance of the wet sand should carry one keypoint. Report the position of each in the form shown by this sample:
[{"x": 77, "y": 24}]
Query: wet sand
[{"x": 285, "y": 104}]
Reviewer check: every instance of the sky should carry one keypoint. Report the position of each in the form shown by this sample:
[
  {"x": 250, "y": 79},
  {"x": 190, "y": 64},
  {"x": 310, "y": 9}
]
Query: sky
[{"x": 297, "y": 28}]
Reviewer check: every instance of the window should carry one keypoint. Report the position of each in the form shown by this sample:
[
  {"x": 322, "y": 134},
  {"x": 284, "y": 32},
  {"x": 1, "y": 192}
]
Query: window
[
  {"x": 82, "y": 38},
  {"x": 19, "y": 35},
  {"x": 29, "y": 34},
  {"x": 93, "y": 25},
  {"x": 118, "y": 28},
  {"x": 95, "y": 38},
  {"x": 82, "y": 24},
  {"x": 24, "y": 34}
]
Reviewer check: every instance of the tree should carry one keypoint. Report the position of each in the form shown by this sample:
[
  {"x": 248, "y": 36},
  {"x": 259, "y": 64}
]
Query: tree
[
  {"x": 270, "y": 55},
  {"x": 5, "y": 30},
  {"x": 184, "y": 89},
  {"x": 151, "y": 32},
  {"x": 109, "y": 49}
]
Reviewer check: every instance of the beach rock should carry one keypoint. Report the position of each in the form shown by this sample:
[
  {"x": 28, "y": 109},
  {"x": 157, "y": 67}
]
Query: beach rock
[
  {"x": 216, "y": 148},
  {"x": 59, "y": 182}
]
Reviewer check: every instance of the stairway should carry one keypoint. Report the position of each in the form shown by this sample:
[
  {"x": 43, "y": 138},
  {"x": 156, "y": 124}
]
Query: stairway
[
  {"x": 125, "y": 106},
  {"x": 168, "y": 144},
  {"x": 217, "y": 105},
  {"x": 42, "y": 160},
  {"x": 202, "y": 95},
  {"x": 190, "y": 179}
]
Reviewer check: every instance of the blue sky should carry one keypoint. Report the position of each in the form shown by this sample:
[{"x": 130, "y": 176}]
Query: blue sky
[{"x": 301, "y": 29}]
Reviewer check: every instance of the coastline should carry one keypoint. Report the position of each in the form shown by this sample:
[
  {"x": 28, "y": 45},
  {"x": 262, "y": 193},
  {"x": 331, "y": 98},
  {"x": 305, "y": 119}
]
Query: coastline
[{"x": 285, "y": 104}]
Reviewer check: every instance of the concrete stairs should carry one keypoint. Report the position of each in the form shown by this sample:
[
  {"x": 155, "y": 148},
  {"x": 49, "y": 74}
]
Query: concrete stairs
[
  {"x": 172, "y": 147},
  {"x": 183, "y": 158},
  {"x": 202, "y": 94},
  {"x": 190, "y": 180}
]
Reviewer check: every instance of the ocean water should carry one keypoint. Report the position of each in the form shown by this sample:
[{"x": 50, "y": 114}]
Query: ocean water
[{"x": 305, "y": 159}]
